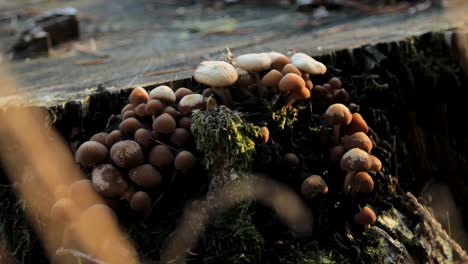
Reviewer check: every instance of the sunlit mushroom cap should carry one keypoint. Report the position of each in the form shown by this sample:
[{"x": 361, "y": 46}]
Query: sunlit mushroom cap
[
  {"x": 338, "y": 114},
  {"x": 190, "y": 102},
  {"x": 163, "y": 93},
  {"x": 313, "y": 185},
  {"x": 254, "y": 61},
  {"x": 215, "y": 73},
  {"x": 278, "y": 60},
  {"x": 355, "y": 160},
  {"x": 307, "y": 64},
  {"x": 365, "y": 217},
  {"x": 358, "y": 140}
]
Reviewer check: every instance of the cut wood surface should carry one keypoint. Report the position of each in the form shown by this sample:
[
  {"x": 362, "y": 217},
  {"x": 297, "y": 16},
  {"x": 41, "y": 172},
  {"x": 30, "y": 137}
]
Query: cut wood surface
[{"x": 126, "y": 43}]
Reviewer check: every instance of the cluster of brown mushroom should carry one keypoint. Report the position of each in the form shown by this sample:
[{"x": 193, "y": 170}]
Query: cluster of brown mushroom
[
  {"x": 256, "y": 73},
  {"x": 128, "y": 163},
  {"x": 331, "y": 92}
]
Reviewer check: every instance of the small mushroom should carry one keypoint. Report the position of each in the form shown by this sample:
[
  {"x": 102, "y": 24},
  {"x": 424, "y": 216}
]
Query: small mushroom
[
  {"x": 337, "y": 115},
  {"x": 360, "y": 182},
  {"x": 293, "y": 159},
  {"x": 376, "y": 164},
  {"x": 140, "y": 202},
  {"x": 130, "y": 125},
  {"x": 180, "y": 137},
  {"x": 145, "y": 175},
  {"x": 163, "y": 93},
  {"x": 313, "y": 185},
  {"x": 91, "y": 153},
  {"x": 191, "y": 102},
  {"x": 264, "y": 135},
  {"x": 341, "y": 96},
  {"x": 108, "y": 181},
  {"x": 255, "y": 63},
  {"x": 308, "y": 81},
  {"x": 140, "y": 110},
  {"x": 99, "y": 137},
  {"x": 365, "y": 217},
  {"x": 207, "y": 92},
  {"x": 244, "y": 81},
  {"x": 172, "y": 112},
  {"x": 154, "y": 107},
  {"x": 337, "y": 152},
  {"x": 291, "y": 83},
  {"x": 127, "y": 154},
  {"x": 160, "y": 156},
  {"x": 355, "y": 160},
  {"x": 272, "y": 80},
  {"x": 278, "y": 60},
  {"x": 301, "y": 94},
  {"x": 290, "y": 68},
  {"x": 126, "y": 108},
  {"x": 113, "y": 137},
  {"x": 307, "y": 64},
  {"x": 143, "y": 137},
  {"x": 129, "y": 114},
  {"x": 358, "y": 140},
  {"x": 185, "y": 122},
  {"x": 184, "y": 161},
  {"x": 219, "y": 75},
  {"x": 357, "y": 124},
  {"x": 335, "y": 83},
  {"x": 181, "y": 92},
  {"x": 164, "y": 124},
  {"x": 138, "y": 96}
]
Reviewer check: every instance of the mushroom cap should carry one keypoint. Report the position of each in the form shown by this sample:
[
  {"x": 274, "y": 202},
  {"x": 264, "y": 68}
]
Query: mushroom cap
[
  {"x": 163, "y": 93},
  {"x": 82, "y": 193},
  {"x": 335, "y": 83},
  {"x": 318, "y": 91},
  {"x": 181, "y": 92},
  {"x": 127, "y": 154},
  {"x": 113, "y": 138},
  {"x": 127, "y": 107},
  {"x": 129, "y": 114},
  {"x": 164, "y": 124},
  {"x": 171, "y": 111},
  {"x": 365, "y": 217},
  {"x": 108, "y": 181},
  {"x": 154, "y": 107},
  {"x": 180, "y": 137},
  {"x": 140, "y": 110},
  {"x": 360, "y": 182},
  {"x": 160, "y": 156},
  {"x": 358, "y": 140},
  {"x": 130, "y": 125},
  {"x": 91, "y": 153},
  {"x": 355, "y": 160},
  {"x": 215, "y": 73},
  {"x": 138, "y": 96},
  {"x": 207, "y": 92},
  {"x": 244, "y": 79},
  {"x": 99, "y": 137},
  {"x": 185, "y": 122},
  {"x": 143, "y": 137},
  {"x": 293, "y": 158},
  {"x": 337, "y": 152},
  {"x": 307, "y": 64},
  {"x": 376, "y": 164},
  {"x": 301, "y": 94},
  {"x": 313, "y": 185},
  {"x": 338, "y": 114},
  {"x": 278, "y": 60},
  {"x": 264, "y": 135},
  {"x": 184, "y": 161},
  {"x": 145, "y": 175},
  {"x": 272, "y": 78},
  {"x": 290, "y": 68},
  {"x": 254, "y": 62},
  {"x": 358, "y": 124},
  {"x": 190, "y": 102},
  {"x": 291, "y": 82},
  {"x": 341, "y": 96},
  {"x": 140, "y": 201}
]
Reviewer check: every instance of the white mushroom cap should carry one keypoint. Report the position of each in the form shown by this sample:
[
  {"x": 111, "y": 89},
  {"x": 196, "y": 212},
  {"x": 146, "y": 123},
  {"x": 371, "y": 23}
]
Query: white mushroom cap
[
  {"x": 254, "y": 61},
  {"x": 163, "y": 93},
  {"x": 215, "y": 73},
  {"x": 307, "y": 64},
  {"x": 190, "y": 102}
]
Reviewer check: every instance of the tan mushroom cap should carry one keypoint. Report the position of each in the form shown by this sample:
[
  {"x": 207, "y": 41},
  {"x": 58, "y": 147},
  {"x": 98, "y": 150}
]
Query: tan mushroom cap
[
  {"x": 313, "y": 185},
  {"x": 127, "y": 154},
  {"x": 272, "y": 79},
  {"x": 278, "y": 60},
  {"x": 181, "y": 92},
  {"x": 145, "y": 175},
  {"x": 360, "y": 182},
  {"x": 307, "y": 64},
  {"x": 358, "y": 124},
  {"x": 376, "y": 164},
  {"x": 365, "y": 217},
  {"x": 108, "y": 181},
  {"x": 338, "y": 114},
  {"x": 254, "y": 61},
  {"x": 138, "y": 96},
  {"x": 215, "y": 73},
  {"x": 290, "y": 68},
  {"x": 184, "y": 161},
  {"x": 140, "y": 201},
  {"x": 190, "y": 102},
  {"x": 291, "y": 82},
  {"x": 163, "y": 93},
  {"x": 358, "y": 140},
  {"x": 91, "y": 153},
  {"x": 355, "y": 160}
]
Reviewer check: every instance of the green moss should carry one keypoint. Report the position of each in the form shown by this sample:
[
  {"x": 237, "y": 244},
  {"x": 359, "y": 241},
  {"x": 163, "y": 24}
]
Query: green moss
[
  {"x": 309, "y": 254},
  {"x": 285, "y": 117},
  {"x": 223, "y": 136},
  {"x": 373, "y": 252}
]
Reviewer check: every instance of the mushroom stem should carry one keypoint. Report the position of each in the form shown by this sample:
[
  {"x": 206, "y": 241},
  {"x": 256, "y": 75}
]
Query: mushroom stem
[
  {"x": 261, "y": 89},
  {"x": 225, "y": 96},
  {"x": 336, "y": 134}
]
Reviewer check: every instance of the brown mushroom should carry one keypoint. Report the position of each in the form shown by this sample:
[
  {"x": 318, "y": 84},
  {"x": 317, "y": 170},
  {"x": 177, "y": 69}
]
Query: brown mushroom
[
  {"x": 264, "y": 135},
  {"x": 313, "y": 185},
  {"x": 335, "y": 83},
  {"x": 357, "y": 124},
  {"x": 126, "y": 108},
  {"x": 163, "y": 93},
  {"x": 108, "y": 181},
  {"x": 160, "y": 156},
  {"x": 181, "y": 92},
  {"x": 191, "y": 102},
  {"x": 337, "y": 115},
  {"x": 360, "y": 182},
  {"x": 138, "y": 96},
  {"x": 145, "y": 175},
  {"x": 143, "y": 137},
  {"x": 355, "y": 160},
  {"x": 130, "y": 125},
  {"x": 164, "y": 124},
  {"x": 185, "y": 122},
  {"x": 154, "y": 107},
  {"x": 358, "y": 140},
  {"x": 365, "y": 217},
  {"x": 207, "y": 92},
  {"x": 180, "y": 137},
  {"x": 184, "y": 161},
  {"x": 113, "y": 137},
  {"x": 140, "y": 110},
  {"x": 127, "y": 154},
  {"x": 171, "y": 111},
  {"x": 289, "y": 68},
  {"x": 91, "y": 153},
  {"x": 376, "y": 164},
  {"x": 293, "y": 159},
  {"x": 99, "y": 137},
  {"x": 272, "y": 80},
  {"x": 278, "y": 60},
  {"x": 337, "y": 152},
  {"x": 291, "y": 83},
  {"x": 301, "y": 94},
  {"x": 140, "y": 202}
]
